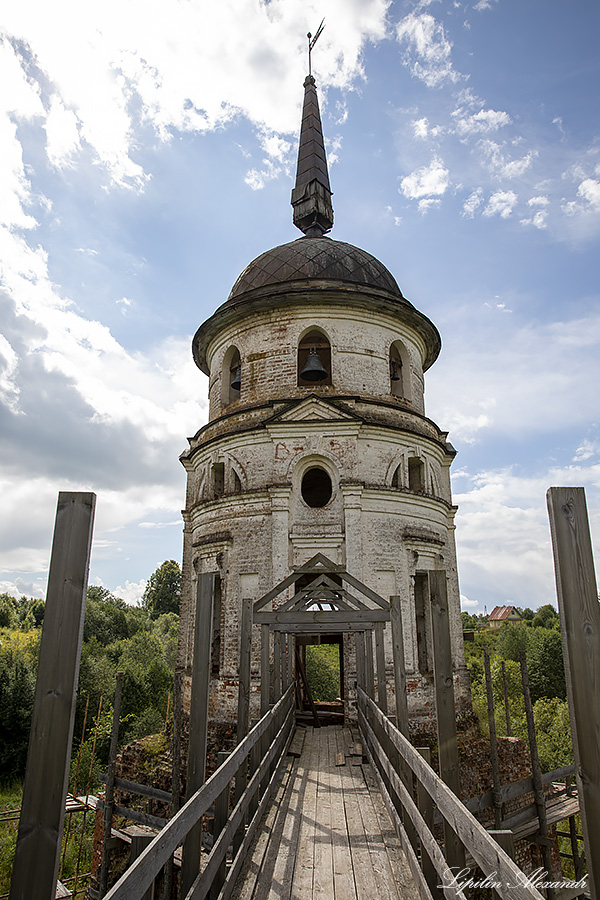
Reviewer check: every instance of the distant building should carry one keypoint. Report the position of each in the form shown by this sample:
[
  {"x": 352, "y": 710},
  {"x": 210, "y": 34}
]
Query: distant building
[{"x": 501, "y": 614}]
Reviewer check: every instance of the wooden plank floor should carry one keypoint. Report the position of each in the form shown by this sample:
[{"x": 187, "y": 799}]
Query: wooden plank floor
[{"x": 327, "y": 834}]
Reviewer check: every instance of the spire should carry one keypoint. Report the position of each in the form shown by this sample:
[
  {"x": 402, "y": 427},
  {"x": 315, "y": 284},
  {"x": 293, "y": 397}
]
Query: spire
[{"x": 311, "y": 197}]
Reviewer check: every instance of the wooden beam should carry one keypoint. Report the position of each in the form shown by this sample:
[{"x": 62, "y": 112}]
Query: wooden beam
[
  {"x": 366, "y": 618},
  {"x": 444, "y": 703},
  {"x": 37, "y": 856},
  {"x": 493, "y": 741},
  {"x": 369, "y": 664},
  {"x": 425, "y": 804},
  {"x": 196, "y": 768},
  {"x": 380, "y": 662},
  {"x": 110, "y": 784},
  {"x": 580, "y": 629},
  {"x": 399, "y": 667}
]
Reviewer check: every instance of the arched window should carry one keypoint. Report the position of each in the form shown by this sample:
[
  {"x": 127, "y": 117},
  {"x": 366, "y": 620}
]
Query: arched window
[
  {"x": 398, "y": 477},
  {"x": 217, "y": 474},
  {"x": 399, "y": 371},
  {"x": 416, "y": 475},
  {"x": 314, "y": 359},
  {"x": 231, "y": 380}
]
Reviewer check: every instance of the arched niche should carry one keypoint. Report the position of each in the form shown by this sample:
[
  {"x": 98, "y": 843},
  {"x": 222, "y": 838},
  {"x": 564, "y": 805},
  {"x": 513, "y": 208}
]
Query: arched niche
[
  {"x": 399, "y": 365},
  {"x": 314, "y": 341},
  {"x": 231, "y": 365},
  {"x": 416, "y": 475}
]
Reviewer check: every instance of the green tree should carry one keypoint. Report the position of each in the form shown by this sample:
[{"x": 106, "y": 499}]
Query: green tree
[
  {"x": 546, "y": 617},
  {"x": 8, "y": 611},
  {"x": 18, "y": 663},
  {"x": 163, "y": 591},
  {"x": 513, "y": 638}
]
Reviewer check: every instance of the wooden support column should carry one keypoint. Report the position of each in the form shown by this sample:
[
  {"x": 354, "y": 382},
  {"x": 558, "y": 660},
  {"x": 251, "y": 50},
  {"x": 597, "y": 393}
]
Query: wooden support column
[
  {"x": 361, "y": 680},
  {"x": 37, "y": 856},
  {"x": 139, "y": 842},
  {"x": 110, "y": 784},
  {"x": 493, "y": 741},
  {"x": 580, "y": 629},
  {"x": 399, "y": 668},
  {"x": 277, "y": 665},
  {"x": 369, "y": 664},
  {"x": 219, "y": 822},
  {"x": 426, "y": 808},
  {"x": 196, "y": 769},
  {"x": 536, "y": 772},
  {"x": 444, "y": 702},
  {"x": 175, "y": 771},
  {"x": 265, "y": 669},
  {"x": 506, "y": 706},
  {"x": 380, "y": 662},
  {"x": 243, "y": 710}
]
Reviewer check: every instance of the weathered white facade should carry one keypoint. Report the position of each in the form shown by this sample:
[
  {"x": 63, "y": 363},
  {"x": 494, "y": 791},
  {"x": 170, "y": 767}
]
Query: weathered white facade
[{"x": 348, "y": 466}]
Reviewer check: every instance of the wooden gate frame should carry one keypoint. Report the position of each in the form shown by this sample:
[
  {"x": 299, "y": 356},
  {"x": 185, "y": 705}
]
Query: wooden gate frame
[{"x": 322, "y": 607}]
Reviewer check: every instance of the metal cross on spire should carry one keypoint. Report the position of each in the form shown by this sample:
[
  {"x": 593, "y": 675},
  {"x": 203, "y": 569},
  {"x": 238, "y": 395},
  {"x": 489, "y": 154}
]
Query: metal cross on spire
[{"x": 312, "y": 41}]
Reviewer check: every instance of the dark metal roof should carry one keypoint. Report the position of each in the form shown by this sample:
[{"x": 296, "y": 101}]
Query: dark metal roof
[
  {"x": 311, "y": 197},
  {"x": 315, "y": 258}
]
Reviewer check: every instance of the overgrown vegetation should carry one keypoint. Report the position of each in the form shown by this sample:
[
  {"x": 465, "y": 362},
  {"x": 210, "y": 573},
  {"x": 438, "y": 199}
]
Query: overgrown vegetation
[
  {"x": 140, "y": 641},
  {"x": 538, "y": 634},
  {"x": 323, "y": 671}
]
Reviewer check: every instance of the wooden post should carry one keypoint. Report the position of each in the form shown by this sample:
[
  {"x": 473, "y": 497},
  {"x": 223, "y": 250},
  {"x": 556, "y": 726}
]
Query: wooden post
[
  {"x": 290, "y": 658},
  {"x": 493, "y": 741},
  {"x": 243, "y": 714},
  {"x": 110, "y": 785},
  {"x": 37, "y": 856},
  {"x": 139, "y": 842},
  {"x": 401, "y": 703},
  {"x": 265, "y": 669},
  {"x": 536, "y": 772},
  {"x": 175, "y": 772},
  {"x": 219, "y": 822},
  {"x": 196, "y": 769},
  {"x": 277, "y": 666},
  {"x": 506, "y": 706},
  {"x": 380, "y": 661},
  {"x": 426, "y": 808},
  {"x": 580, "y": 628},
  {"x": 444, "y": 702},
  {"x": 399, "y": 669},
  {"x": 369, "y": 665},
  {"x": 360, "y": 660}
]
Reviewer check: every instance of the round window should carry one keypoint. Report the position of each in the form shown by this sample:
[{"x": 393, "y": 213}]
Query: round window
[{"x": 316, "y": 487}]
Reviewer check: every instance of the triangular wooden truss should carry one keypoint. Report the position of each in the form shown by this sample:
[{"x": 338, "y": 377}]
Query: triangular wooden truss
[{"x": 324, "y": 605}]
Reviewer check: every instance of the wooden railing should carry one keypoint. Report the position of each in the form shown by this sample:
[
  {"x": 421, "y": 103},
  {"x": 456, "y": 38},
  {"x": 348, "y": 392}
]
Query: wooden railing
[
  {"x": 255, "y": 764},
  {"x": 385, "y": 746}
]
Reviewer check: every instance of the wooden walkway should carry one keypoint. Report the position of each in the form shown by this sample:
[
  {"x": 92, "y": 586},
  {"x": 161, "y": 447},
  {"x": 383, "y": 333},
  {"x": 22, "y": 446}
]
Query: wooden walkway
[{"x": 327, "y": 834}]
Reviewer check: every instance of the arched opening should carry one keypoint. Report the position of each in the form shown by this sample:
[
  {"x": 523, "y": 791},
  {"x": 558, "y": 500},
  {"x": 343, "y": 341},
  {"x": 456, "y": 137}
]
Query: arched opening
[
  {"x": 231, "y": 379},
  {"x": 398, "y": 477},
  {"x": 314, "y": 359},
  {"x": 416, "y": 475},
  {"x": 399, "y": 371},
  {"x": 316, "y": 487},
  {"x": 421, "y": 596},
  {"x": 217, "y": 474}
]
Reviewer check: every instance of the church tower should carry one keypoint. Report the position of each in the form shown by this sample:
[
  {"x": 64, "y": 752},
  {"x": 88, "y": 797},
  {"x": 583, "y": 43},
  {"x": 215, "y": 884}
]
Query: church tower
[{"x": 317, "y": 442}]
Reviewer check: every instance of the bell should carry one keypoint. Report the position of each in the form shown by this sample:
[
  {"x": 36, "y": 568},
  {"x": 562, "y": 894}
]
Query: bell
[
  {"x": 313, "y": 368},
  {"x": 236, "y": 384},
  {"x": 395, "y": 373}
]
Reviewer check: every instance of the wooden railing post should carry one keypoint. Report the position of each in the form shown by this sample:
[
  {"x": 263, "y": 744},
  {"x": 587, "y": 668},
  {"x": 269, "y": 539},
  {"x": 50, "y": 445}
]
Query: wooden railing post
[
  {"x": 196, "y": 769},
  {"x": 110, "y": 785},
  {"x": 493, "y": 740},
  {"x": 380, "y": 664},
  {"x": 425, "y": 804},
  {"x": 37, "y": 856},
  {"x": 580, "y": 628},
  {"x": 220, "y": 819},
  {"x": 444, "y": 702}
]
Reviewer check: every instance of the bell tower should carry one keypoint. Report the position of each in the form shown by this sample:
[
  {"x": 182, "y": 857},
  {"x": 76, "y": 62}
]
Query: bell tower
[{"x": 317, "y": 442}]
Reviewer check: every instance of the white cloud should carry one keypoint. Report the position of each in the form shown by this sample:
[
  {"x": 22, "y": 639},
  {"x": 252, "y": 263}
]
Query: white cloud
[
  {"x": 428, "y": 52},
  {"x": 501, "y": 203},
  {"x": 472, "y": 203},
  {"x": 426, "y": 181},
  {"x": 482, "y": 122},
  {"x": 538, "y": 220},
  {"x": 589, "y": 190},
  {"x": 425, "y": 205},
  {"x": 131, "y": 592},
  {"x": 500, "y": 165}
]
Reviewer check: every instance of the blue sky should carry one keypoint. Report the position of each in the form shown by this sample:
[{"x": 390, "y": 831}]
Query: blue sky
[{"x": 148, "y": 154}]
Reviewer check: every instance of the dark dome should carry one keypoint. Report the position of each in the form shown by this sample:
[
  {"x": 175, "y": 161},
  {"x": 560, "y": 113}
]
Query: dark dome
[{"x": 315, "y": 258}]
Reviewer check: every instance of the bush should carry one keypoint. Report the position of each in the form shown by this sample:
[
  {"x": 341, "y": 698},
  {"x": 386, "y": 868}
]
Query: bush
[{"x": 323, "y": 671}]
